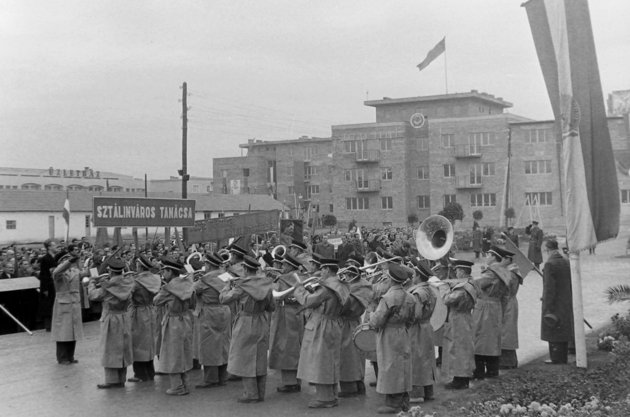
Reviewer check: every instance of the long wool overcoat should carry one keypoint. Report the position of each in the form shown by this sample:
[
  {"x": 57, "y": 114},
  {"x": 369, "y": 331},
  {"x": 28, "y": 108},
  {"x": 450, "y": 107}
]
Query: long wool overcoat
[
  {"x": 213, "y": 321},
  {"x": 287, "y": 328},
  {"x": 488, "y": 312},
  {"x": 391, "y": 318},
  {"x": 557, "y": 300},
  {"x": 421, "y": 334},
  {"x": 142, "y": 312},
  {"x": 458, "y": 356},
  {"x": 66, "y": 325}
]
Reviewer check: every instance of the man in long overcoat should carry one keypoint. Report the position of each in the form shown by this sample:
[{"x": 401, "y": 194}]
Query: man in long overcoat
[
  {"x": 393, "y": 315},
  {"x": 176, "y": 326},
  {"x": 212, "y": 325},
  {"x": 421, "y": 334},
  {"x": 557, "y": 306},
  {"x": 250, "y": 332},
  {"x": 320, "y": 354},
  {"x": 114, "y": 293},
  {"x": 459, "y": 350},
  {"x": 534, "y": 253},
  {"x": 352, "y": 366},
  {"x": 488, "y": 313},
  {"x": 67, "y": 326},
  {"x": 287, "y": 329},
  {"x": 509, "y": 327},
  {"x": 143, "y": 322}
]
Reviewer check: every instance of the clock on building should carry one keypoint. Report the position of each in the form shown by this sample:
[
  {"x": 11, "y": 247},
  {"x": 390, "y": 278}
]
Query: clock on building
[{"x": 417, "y": 120}]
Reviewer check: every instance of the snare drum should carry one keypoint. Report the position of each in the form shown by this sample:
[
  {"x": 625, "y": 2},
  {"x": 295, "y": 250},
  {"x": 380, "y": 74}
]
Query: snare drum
[{"x": 364, "y": 338}]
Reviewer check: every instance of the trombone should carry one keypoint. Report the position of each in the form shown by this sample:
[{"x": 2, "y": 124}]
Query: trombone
[{"x": 281, "y": 294}]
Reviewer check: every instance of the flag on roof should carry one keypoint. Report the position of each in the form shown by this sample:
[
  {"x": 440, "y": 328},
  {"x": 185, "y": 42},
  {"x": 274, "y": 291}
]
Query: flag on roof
[{"x": 437, "y": 50}]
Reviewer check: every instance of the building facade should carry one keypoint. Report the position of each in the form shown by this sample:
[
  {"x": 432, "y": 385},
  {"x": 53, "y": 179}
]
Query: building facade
[
  {"x": 420, "y": 154},
  {"x": 87, "y": 179}
]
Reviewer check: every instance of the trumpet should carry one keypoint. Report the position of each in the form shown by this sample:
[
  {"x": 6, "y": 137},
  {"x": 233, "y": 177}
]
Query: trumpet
[
  {"x": 373, "y": 259},
  {"x": 225, "y": 255},
  {"x": 281, "y": 294},
  {"x": 98, "y": 280}
]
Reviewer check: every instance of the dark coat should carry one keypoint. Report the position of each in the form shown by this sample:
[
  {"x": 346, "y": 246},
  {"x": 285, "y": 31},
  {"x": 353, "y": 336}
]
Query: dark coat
[
  {"x": 557, "y": 299},
  {"x": 534, "y": 253}
]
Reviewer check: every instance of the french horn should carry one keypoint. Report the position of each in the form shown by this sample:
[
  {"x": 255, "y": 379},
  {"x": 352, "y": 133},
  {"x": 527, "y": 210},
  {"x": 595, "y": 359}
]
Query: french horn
[{"x": 434, "y": 237}]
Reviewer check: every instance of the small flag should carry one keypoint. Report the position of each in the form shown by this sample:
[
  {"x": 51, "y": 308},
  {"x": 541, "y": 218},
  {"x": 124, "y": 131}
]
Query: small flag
[
  {"x": 66, "y": 211},
  {"x": 563, "y": 37},
  {"x": 433, "y": 53},
  {"x": 523, "y": 262}
]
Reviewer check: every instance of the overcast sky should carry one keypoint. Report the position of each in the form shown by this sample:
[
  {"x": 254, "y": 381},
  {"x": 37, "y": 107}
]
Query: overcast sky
[{"x": 97, "y": 83}]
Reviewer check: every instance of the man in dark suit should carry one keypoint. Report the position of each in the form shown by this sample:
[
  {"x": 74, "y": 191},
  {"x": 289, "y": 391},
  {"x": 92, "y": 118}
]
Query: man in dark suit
[
  {"x": 557, "y": 306},
  {"x": 534, "y": 253}
]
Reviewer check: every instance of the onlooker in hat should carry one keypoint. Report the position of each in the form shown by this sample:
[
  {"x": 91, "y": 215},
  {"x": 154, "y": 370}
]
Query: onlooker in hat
[
  {"x": 67, "y": 326},
  {"x": 421, "y": 334},
  {"x": 114, "y": 293},
  {"x": 352, "y": 367},
  {"x": 512, "y": 235},
  {"x": 250, "y": 332},
  {"x": 142, "y": 313},
  {"x": 534, "y": 253},
  {"x": 46, "y": 285},
  {"x": 213, "y": 328},
  {"x": 459, "y": 354},
  {"x": 320, "y": 354},
  {"x": 488, "y": 313},
  {"x": 557, "y": 306},
  {"x": 287, "y": 329},
  {"x": 176, "y": 357},
  {"x": 477, "y": 238},
  {"x": 395, "y": 312},
  {"x": 344, "y": 250}
]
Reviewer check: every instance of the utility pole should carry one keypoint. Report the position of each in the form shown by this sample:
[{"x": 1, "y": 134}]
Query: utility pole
[{"x": 184, "y": 171}]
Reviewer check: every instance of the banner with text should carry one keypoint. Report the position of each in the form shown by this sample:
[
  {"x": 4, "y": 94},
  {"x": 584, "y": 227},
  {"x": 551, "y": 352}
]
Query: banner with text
[
  {"x": 143, "y": 212},
  {"x": 233, "y": 226}
]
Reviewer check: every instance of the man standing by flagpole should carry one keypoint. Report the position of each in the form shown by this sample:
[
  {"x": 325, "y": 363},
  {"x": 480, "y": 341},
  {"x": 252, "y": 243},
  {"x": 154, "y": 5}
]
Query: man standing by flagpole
[{"x": 563, "y": 37}]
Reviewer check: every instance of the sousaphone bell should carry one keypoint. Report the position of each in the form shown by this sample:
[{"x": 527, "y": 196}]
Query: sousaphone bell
[{"x": 434, "y": 237}]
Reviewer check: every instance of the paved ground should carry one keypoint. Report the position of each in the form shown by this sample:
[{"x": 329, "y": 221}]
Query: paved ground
[{"x": 32, "y": 383}]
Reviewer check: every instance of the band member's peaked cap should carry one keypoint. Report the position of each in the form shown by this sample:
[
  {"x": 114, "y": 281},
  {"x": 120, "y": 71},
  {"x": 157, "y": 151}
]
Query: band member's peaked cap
[{"x": 116, "y": 264}]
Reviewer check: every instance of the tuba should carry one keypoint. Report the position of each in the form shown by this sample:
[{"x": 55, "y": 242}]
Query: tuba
[{"x": 434, "y": 237}]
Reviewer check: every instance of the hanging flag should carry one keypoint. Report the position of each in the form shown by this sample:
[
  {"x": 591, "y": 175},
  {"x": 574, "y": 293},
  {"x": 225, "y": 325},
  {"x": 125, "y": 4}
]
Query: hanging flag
[
  {"x": 66, "y": 210},
  {"x": 566, "y": 50},
  {"x": 433, "y": 53}
]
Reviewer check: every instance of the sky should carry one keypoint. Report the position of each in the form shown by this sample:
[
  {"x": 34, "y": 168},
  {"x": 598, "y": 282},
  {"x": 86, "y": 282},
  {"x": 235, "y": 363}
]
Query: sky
[{"x": 98, "y": 83}]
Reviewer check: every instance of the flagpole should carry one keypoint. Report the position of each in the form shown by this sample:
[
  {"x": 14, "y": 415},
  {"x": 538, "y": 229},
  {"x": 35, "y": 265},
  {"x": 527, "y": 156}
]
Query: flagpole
[
  {"x": 578, "y": 310},
  {"x": 445, "y": 73},
  {"x": 68, "y": 222}
]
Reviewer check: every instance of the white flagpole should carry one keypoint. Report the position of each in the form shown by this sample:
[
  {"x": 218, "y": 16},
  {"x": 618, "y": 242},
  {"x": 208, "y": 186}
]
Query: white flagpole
[
  {"x": 578, "y": 310},
  {"x": 445, "y": 72}
]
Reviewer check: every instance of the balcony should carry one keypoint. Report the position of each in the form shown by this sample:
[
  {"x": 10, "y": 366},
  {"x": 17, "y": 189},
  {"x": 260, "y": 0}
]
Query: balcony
[
  {"x": 468, "y": 181},
  {"x": 368, "y": 156},
  {"x": 368, "y": 186},
  {"x": 466, "y": 151}
]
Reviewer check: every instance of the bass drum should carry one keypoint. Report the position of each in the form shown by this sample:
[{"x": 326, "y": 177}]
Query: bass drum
[
  {"x": 364, "y": 338},
  {"x": 440, "y": 312}
]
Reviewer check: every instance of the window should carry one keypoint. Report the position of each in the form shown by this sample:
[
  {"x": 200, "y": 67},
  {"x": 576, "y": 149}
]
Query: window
[
  {"x": 423, "y": 173},
  {"x": 386, "y": 144},
  {"x": 330, "y": 208},
  {"x": 31, "y": 186},
  {"x": 55, "y": 187},
  {"x": 312, "y": 189},
  {"x": 291, "y": 189},
  {"x": 475, "y": 174},
  {"x": 387, "y": 203},
  {"x": 309, "y": 171},
  {"x": 625, "y": 196},
  {"x": 207, "y": 215},
  {"x": 386, "y": 173},
  {"x": 291, "y": 152},
  {"x": 424, "y": 201},
  {"x": 246, "y": 172},
  {"x": 222, "y": 214},
  {"x": 538, "y": 167},
  {"x": 196, "y": 188},
  {"x": 538, "y": 135},
  {"x": 350, "y": 146},
  {"x": 224, "y": 173},
  {"x": 450, "y": 198},
  {"x": 483, "y": 200},
  {"x": 448, "y": 140},
  {"x": 353, "y": 174},
  {"x": 309, "y": 151},
  {"x": 488, "y": 169},
  {"x": 481, "y": 138},
  {"x": 290, "y": 171},
  {"x": 357, "y": 203},
  {"x": 538, "y": 198},
  {"x": 76, "y": 187},
  {"x": 423, "y": 144},
  {"x": 449, "y": 170},
  {"x": 11, "y": 224}
]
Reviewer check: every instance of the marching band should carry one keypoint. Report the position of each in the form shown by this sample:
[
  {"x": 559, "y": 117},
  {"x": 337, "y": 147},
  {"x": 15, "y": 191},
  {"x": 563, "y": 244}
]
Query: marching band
[{"x": 309, "y": 318}]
